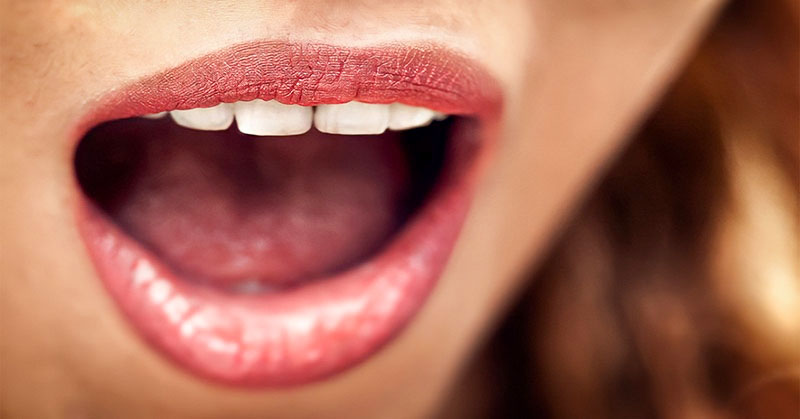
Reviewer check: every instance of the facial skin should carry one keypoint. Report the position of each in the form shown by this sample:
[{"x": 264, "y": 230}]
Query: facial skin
[{"x": 576, "y": 76}]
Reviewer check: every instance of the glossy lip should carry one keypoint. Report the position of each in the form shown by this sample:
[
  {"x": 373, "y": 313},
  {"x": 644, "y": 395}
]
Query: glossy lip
[{"x": 331, "y": 324}]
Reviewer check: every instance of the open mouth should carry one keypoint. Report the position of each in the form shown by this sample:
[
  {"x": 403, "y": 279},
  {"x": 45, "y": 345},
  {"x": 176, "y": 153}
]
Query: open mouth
[{"x": 274, "y": 213}]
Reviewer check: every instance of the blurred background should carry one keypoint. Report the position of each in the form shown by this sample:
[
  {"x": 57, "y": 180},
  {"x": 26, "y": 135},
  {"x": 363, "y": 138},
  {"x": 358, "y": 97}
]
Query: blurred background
[{"x": 675, "y": 290}]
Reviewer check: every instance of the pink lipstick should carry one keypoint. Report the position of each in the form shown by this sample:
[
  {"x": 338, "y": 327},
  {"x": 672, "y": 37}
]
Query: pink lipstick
[{"x": 309, "y": 316}]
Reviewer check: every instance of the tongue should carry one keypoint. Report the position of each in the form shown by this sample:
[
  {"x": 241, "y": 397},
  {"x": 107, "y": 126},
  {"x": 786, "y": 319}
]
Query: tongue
[{"x": 239, "y": 211}]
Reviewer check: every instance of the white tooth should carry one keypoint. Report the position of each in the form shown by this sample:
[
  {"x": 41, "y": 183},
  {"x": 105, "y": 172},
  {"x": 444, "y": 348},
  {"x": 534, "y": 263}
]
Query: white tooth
[
  {"x": 405, "y": 117},
  {"x": 258, "y": 117},
  {"x": 158, "y": 115},
  {"x": 352, "y": 118},
  {"x": 215, "y": 118}
]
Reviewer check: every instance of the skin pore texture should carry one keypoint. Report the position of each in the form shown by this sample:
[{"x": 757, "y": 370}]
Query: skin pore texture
[{"x": 576, "y": 77}]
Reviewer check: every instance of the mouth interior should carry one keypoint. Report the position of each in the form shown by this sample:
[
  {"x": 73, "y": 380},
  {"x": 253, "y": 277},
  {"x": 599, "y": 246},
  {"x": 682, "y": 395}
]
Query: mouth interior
[{"x": 250, "y": 214}]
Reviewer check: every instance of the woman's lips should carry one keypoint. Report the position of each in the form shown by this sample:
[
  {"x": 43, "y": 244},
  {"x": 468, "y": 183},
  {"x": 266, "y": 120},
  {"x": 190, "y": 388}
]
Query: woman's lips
[
  {"x": 313, "y": 74},
  {"x": 325, "y": 326}
]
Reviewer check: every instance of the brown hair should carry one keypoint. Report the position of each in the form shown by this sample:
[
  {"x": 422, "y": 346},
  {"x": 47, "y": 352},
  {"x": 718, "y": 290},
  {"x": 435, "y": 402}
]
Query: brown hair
[{"x": 675, "y": 292}]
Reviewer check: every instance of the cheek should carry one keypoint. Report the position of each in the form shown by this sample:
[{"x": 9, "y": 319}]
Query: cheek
[{"x": 587, "y": 78}]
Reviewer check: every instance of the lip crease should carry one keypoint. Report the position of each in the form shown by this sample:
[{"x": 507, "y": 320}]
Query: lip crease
[{"x": 326, "y": 326}]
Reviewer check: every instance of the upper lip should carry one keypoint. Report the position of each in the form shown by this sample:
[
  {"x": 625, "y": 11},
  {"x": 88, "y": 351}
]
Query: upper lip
[
  {"x": 323, "y": 327},
  {"x": 427, "y": 75}
]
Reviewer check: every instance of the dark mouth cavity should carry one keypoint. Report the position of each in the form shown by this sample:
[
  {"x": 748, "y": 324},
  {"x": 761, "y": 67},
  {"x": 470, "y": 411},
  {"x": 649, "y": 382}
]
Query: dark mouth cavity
[{"x": 251, "y": 214}]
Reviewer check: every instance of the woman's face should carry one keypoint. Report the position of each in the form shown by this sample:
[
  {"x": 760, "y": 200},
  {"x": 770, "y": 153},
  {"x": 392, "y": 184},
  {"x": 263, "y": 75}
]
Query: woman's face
[{"x": 570, "y": 77}]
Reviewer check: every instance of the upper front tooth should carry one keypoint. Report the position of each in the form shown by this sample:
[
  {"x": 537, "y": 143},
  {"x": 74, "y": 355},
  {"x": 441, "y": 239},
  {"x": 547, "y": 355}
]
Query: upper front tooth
[
  {"x": 215, "y": 118},
  {"x": 258, "y": 117},
  {"x": 405, "y": 116},
  {"x": 352, "y": 118}
]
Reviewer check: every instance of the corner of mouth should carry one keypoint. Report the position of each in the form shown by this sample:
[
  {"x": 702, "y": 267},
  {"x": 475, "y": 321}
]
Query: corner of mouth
[{"x": 318, "y": 328}]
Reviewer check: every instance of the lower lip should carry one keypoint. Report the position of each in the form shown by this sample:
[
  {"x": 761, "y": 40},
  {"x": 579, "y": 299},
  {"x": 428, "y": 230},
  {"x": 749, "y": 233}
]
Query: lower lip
[{"x": 331, "y": 324}]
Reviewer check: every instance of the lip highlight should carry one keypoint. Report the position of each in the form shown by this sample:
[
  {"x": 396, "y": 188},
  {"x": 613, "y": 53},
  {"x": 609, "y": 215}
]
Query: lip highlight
[{"x": 329, "y": 325}]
